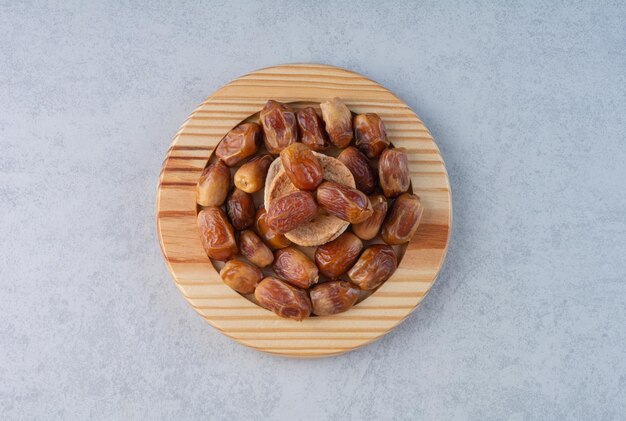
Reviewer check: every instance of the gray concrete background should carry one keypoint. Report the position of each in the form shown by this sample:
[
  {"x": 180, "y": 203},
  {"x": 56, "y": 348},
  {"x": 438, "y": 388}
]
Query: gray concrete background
[{"x": 527, "y": 102}]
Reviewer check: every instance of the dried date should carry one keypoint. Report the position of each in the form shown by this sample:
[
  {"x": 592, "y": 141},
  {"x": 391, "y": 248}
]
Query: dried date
[
  {"x": 344, "y": 202},
  {"x": 375, "y": 266},
  {"x": 295, "y": 267},
  {"x": 254, "y": 249},
  {"x": 216, "y": 234},
  {"x": 370, "y": 135},
  {"x": 333, "y": 297},
  {"x": 369, "y": 228},
  {"x": 241, "y": 210},
  {"x": 279, "y": 126},
  {"x": 403, "y": 220},
  {"x": 359, "y": 166},
  {"x": 338, "y": 119},
  {"x": 336, "y": 257},
  {"x": 239, "y": 143},
  {"x": 291, "y": 211},
  {"x": 283, "y": 299},
  {"x": 311, "y": 129},
  {"x": 241, "y": 276},
  {"x": 271, "y": 237},
  {"x": 250, "y": 177},
  {"x": 301, "y": 166},
  {"x": 213, "y": 185},
  {"x": 393, "y": 172}
]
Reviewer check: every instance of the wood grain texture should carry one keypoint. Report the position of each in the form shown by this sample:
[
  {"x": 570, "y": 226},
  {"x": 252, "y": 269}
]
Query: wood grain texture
[{"x": 239, "y": 318}]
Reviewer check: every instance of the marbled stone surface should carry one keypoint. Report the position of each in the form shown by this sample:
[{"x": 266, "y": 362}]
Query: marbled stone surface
[{"x": 527, "y": 102}]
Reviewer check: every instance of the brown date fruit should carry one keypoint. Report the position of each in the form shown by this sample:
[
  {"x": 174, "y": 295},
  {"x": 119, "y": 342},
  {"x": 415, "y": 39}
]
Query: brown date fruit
[
  {"x": 333, "y": 297},
  {"x": 370, "y": 135},
  {"x": 279, "y": 126},
  {"x": 291, "y": 211},
  {"x": 255, "y": 249},
  {"x": 239, "y": 143},
  {"x": 250, "y": 177},
  {"x": 403, "y": 220},
  {"x": 241, "y": 276},
  {"x": 344, "y": 202},
  {"x": 283, "y": 299},
  {"x": 216, "y": 234},
  {"x": 369, "y": 228},
  {"x": 271, "y": 237},
  {"x": 311, "y": 129},
  {"x": 336, "y": 257},
  {"x": 375, "y": 266},
  {"x": 213, "y": 185},
  {"x": 393, "y": 172},
  {"x": 338, "y": 119},
  {"x": 241, "y": 210},
  {"x": 359, "y": 166},
  {"x": 295, "y": 267},
  {"x": 301, "y": 166}
]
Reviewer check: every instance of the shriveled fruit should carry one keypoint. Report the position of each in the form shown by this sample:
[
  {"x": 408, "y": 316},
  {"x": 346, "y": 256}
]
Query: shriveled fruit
[
  {"x": 213, "y": 185},
  {"x": 216, "y": 234},
  {"x": 239, "y": 143},
  {"x": 359, "y": 166},
  {"x": 403, "y": 220},
  {"x": 338, "y": 119},
  {"x": 311, "y": 129},
  {"x": 370, "y": 135},
  {"x": 344, "y": 202},
  {"x": 393, "y": 172},
  {"x": 336, "y": 257},
  {"x": 375, "y": 266},
  {"x": 250, "y": 177},
  {"x": 279, "y": 126},
  {"x": 333, "y": 297},
  {"x": 295, "y": 267},
  {"x": 241, "y": 276},
  {"x": 283, "y": 299},
  {"x": 271, "y": 237},
  {"x": 254, "y": 249},
  {"x": 301, "y": 166},
  {"x": 241, "y": 210},
  {"x": 369, "y": 228},
  {"x": 291, "y": 211}
]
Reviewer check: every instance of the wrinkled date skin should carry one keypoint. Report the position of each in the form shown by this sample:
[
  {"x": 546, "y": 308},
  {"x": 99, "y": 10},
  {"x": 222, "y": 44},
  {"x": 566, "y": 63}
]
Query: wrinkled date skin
[
  {"x": 311, "y": 129},
  {"x": 213, "y": 185},
  {"x": 291, "y": 211},
  {"x": 359, "y": 166},
  {"x": 254, "y": 249},
  {"x": 338, "y": 119},
  {"x": 302, "y": 167},
  {"x": 250, "y": 177},
  {"x": 375, "y": 266},
  {"x": 393, "y": 172},
  {"x": 239, "y": 143},
  {"x": 370, "y": 135},
  {"x": 283, "y": 299},
  {"x": 295, "y": 267},
  {"x": 216, "y": 234},
  {"x": 279, "y": 126},
  {"x": 333, "y": 297},
  {"x": 271, "y": 237},
  {"x": 369, "y": 228},
  {"x": 344, "y": 202},
  {"x": 241, "y": 276},
  {"x": 403, "y": 220},
  {"x": 336, "y": 257},
  {"x": 241, "y": 210}
]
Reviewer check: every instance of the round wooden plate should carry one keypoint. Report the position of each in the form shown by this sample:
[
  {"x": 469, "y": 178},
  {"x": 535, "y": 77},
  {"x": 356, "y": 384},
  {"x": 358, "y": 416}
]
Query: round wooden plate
[{"x": 233, "y": 314}]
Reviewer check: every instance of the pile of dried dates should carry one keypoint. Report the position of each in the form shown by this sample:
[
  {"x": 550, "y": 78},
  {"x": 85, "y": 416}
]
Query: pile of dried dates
[{"x": 260, "y": 261}]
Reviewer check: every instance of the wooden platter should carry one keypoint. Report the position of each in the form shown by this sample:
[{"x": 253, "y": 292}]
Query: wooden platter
[{"x": 234, "y": 315}]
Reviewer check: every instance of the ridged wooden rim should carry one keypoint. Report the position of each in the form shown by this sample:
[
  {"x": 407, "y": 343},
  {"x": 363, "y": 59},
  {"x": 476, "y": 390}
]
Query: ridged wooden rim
[{"x": 231, "y": 313}]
